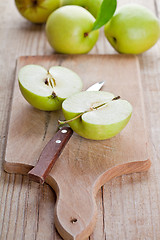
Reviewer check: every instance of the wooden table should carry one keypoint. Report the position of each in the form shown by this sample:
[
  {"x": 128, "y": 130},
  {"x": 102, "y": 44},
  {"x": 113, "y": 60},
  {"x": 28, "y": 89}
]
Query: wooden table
[{"x": 128, "y": 206}]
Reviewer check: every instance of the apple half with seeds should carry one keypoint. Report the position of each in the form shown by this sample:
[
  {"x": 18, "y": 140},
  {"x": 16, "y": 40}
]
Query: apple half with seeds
[
  {"x": 96, "y": 115},
  {"x": 46, "y": 90}
]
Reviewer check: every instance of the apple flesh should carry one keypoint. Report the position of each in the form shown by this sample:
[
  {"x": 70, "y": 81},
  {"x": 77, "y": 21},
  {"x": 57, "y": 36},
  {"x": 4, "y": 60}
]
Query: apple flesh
[
  {"x": 46, "y": 90},
  {"x": 68, "y": 30},
  {"x": 133, "y": 29},
  {"x": 102, "y": 117},
  {"x": 92, "y": 6},
  {"x": 36, "y": 11}
]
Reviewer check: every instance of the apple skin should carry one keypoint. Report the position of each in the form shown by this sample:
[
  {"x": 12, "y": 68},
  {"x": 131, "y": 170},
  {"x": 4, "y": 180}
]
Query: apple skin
[
  {"x": 92, "y": 6},
  {"x": 36, "y": 11},
  {"x": 68, "y": 30},
  {"x": 93, "y": 131},
  {"x": 40, "y": 102},
  {"x": 133, "y": 29}
]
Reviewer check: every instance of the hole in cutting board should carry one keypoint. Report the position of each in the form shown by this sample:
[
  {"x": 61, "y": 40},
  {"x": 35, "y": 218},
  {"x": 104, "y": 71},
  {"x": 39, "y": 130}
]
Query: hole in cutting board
[{"x": 74, "y": 220}]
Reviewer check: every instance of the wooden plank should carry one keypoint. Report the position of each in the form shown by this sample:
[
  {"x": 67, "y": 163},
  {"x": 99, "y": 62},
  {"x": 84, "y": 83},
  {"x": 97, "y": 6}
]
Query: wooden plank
[{"x": 98, "y": 161}]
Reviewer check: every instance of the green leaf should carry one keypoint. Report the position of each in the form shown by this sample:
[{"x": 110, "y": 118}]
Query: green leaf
[{"x": 105, "y": 13}]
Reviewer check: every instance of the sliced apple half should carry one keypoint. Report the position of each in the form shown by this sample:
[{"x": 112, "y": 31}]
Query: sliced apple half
[
  {"x": 46, "y": 90},
  {"x": 96, "y": 115}
]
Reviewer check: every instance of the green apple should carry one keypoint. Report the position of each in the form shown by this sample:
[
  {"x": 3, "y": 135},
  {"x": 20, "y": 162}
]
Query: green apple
[
  {"x": 36, "y": 11},
  {"x": 92, "y": 6},
  {"x": 46, "y": 90},
  {"x": 96, "y": 115},
  {"x": 133, "y": 29},
  {"x": 69, "y": 28}
]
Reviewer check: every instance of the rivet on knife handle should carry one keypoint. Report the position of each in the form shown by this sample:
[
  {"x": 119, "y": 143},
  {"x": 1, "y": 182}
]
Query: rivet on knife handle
[{"x": 50, "y": 154}]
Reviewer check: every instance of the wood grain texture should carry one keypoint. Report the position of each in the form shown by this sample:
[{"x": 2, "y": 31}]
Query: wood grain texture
[
  {"x": 128, "y": 206},
  {"x": 86, "y": 163}
]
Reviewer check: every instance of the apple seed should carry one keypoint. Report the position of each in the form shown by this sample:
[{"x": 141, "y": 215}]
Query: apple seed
[{"x": 46, "y": 81}]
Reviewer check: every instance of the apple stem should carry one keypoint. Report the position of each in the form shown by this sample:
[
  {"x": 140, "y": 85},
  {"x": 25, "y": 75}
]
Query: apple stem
[
  {"x": 115, "y": 40},
  {"x": 86, "y": 34},
  {"x": 116, "y": 98},
  {"x": 34, "y": 3},
  {"x": 72, "y": 119},
  {"x": 94, "y": 108},
  {"x": 54, "y": 95},
  {"x": 91, "y": 109}
]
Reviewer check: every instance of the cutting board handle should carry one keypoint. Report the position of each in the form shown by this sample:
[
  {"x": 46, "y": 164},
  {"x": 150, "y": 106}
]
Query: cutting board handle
[
  {"x": 75, "y": 214},
  {"x": 76, "y": 209}
]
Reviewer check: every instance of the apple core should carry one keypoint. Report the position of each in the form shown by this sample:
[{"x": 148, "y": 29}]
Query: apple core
[
  {"x": 96, "y": 115},
  {"x": 46, "y": 90}
]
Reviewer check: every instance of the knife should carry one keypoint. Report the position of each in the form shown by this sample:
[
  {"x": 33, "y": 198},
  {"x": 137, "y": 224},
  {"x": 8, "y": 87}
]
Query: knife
[{"x": 54, "y": 147}]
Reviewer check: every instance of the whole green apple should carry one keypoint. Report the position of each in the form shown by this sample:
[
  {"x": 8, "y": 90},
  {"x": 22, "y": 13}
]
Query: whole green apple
[
  {"x": 133, "y": 29},
  {"x": 92, "y": 6},
  {"x": 36, "y": 11},
  {"x": 69, "y": 28},
  {"x": 46, "y": 90},
  {"x": 96, "y": 115}
]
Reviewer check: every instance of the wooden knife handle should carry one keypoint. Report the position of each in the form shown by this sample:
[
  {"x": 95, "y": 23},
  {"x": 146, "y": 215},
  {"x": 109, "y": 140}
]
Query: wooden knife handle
[{"x": 50, "y": 154}]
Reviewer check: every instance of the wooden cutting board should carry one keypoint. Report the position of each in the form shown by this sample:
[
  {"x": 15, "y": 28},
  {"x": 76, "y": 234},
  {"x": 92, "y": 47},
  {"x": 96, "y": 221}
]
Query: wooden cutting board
[{"x": 84, "y": 165}]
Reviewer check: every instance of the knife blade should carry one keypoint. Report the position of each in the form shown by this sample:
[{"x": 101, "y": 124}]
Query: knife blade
[{"x": 54, "y": 147}]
